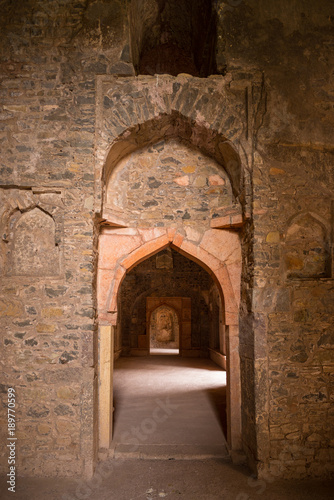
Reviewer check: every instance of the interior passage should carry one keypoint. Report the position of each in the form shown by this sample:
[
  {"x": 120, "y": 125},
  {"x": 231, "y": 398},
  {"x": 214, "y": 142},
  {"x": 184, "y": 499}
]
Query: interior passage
[{"x": 169, "y": 407}]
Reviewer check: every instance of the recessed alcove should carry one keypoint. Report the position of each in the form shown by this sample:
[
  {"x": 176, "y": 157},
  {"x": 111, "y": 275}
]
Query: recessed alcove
[
  {"x": 164, "y": 330},
  {"x": 167, "y": 183},
  {"x": 306, "y": 249},
  {"x": 178, "y": 36},
  {"x": 33, "y": 250}
]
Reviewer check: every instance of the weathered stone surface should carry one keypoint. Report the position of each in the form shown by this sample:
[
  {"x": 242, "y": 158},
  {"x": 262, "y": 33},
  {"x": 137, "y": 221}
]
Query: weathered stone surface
[
  {"x": 306, "y": 248},
  {"x": 156, "y": 173},
  {"x": 273, "y": 104},
  {"x": 63, "y": 409},
  {"x": 38, "y": 411}
]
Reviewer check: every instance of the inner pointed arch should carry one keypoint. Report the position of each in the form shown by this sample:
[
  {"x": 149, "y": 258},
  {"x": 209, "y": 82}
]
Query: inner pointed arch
[{"x": 192, "y": 133}]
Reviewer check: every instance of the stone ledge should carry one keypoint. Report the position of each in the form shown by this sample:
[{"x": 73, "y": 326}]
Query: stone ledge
[
  {"x": 168, "y": 452},
  {"x": 218, "y": 358},
  {"x": 227, "y": 222},
  {"x": 228, "y": 218}
]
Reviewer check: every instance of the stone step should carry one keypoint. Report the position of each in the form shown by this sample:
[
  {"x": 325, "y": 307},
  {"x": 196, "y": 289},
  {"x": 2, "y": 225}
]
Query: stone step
[{"x": 169, "y": 452}]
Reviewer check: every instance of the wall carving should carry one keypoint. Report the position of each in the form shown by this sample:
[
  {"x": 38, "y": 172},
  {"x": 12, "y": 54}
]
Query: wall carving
[
  {"x": 164, "y": 328},
  {"x": 33, "y": 249},
  {"x": 31, "y": 228},
  {"x": 306, "y": 248}
]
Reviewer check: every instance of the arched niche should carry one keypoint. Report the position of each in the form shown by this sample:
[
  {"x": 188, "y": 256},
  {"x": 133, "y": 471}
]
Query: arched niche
[
  {"x": 175, "y": 126},
  {"x": 164, "y": 328},
  {"x": 172, "y": 37},
  {"x": 306, "y": 250},
  {"x": 167, "y": 183},
  {"x": 33, "y": 250}
]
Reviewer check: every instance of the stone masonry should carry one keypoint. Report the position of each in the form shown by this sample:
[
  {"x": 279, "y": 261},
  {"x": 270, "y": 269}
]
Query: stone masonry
[{"x": 110, "y": 156}]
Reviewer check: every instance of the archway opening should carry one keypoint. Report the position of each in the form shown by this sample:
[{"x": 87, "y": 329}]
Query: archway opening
[
  {"x": 179, "y": 305},
  {"x": 167, "y": 184}
]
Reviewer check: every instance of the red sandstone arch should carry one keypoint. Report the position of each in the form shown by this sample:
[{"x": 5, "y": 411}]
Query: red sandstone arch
[
  {"x": 108, "y": 316},
  {"x": 216, "y": 268}
]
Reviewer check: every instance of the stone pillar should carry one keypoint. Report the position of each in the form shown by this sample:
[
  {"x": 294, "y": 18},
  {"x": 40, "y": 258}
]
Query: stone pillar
[
  {"x": 233, "y": 389},
  {"x": 105, "y": 385}
]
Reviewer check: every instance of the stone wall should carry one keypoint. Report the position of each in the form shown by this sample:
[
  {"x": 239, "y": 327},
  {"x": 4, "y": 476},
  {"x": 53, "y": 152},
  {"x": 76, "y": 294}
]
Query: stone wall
[
  {"x": 47, "y": 233},
  {"x": 292, "y": 198},
  {"x": 274, "y": 104},
  {"x": 168, "y": 184},
  {"x": 293, "y": 296}
]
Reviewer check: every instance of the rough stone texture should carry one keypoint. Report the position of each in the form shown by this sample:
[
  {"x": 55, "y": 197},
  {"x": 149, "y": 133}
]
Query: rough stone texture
[
  {"x": 292, "y": 293},
  {"x": 47, "y": 134},
  {"x": 168, "y": 184},
  {"x": 268, "y": 122}
]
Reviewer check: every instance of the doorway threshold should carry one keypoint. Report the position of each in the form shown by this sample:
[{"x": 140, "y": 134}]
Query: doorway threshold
[
  {"x": 169, "y": 452},
  {"x": 163, "y": 352}
]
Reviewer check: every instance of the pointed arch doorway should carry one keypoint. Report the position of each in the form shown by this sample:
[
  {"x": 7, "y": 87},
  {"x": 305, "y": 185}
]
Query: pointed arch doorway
[
  {"x": 183, "y": 186},
  {"x": 108, "y": 333}
]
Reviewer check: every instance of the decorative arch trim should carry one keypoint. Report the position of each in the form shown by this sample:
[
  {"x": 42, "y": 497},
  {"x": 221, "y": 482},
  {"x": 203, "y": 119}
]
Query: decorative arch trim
[{"x": 216, "y": 268}]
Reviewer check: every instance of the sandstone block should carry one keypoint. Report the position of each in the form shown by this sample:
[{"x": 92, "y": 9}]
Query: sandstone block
[
  {"x": 52, "y": 312},
  {"x": 273, "y": 237},
  {"x": 45, "y": 328}
]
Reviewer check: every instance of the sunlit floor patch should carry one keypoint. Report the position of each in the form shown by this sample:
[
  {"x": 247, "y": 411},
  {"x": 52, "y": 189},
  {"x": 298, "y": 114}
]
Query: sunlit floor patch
[{"x": 169, "y": 401}]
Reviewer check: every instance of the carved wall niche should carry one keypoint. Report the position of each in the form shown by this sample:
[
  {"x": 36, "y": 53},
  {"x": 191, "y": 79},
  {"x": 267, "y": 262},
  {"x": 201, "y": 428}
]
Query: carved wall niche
[
  {"x": 31, "y": 233},
  {"x": 306, "y": 251},
  {"x": 171, "y": 317},
  {"x": 164, "y": 328},
  {"x": 33, "y": 249}
]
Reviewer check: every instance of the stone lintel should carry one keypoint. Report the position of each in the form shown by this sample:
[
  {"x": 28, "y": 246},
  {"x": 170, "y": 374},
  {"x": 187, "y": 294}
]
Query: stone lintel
[{"x": 227, "y": 222}]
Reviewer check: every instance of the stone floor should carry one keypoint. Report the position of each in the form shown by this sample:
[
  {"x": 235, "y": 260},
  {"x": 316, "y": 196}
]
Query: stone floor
[
  {"x": 213, "y": 479},
  {"x": 169, "y": 407},
  {"x": 169, "y": 413}
]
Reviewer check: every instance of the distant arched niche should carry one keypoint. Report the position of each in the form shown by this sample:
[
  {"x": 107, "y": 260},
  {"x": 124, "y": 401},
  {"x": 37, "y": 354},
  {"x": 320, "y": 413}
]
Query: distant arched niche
[
  {"x": 33, "y": 248},
  {"x": 164, "y": 328},
  {"x": 306, "y": 248}
]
